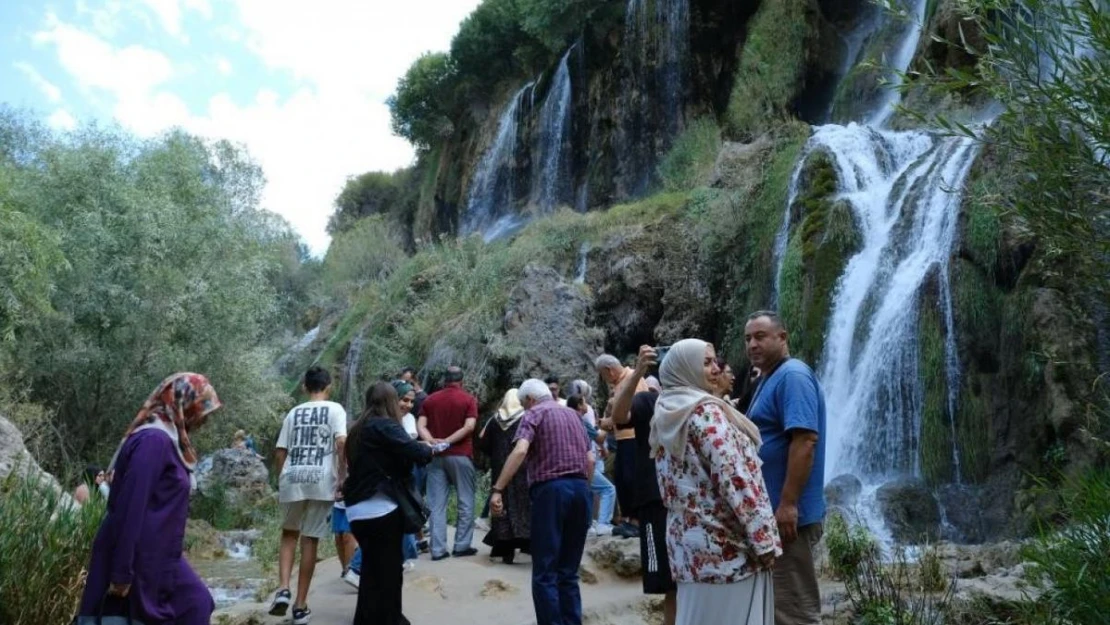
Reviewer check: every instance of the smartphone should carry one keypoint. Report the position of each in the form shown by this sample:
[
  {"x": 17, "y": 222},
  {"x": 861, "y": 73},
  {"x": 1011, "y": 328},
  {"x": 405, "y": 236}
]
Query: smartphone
[{"x": 661, "y": 353}]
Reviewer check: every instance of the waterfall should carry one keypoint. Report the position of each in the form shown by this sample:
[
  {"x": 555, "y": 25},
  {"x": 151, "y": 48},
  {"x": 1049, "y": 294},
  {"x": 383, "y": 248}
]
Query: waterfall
[
  {"x": 674, "y": 19},
  {"x": 583, "y": 258},
  {"x": 898, "y": 184},
  {"x": 899, "y": 60},
  {"x": 782, "y": 237},
  {"x": 493, "y": 191},
  {"x": 550, "y": 181},
  {"x": 350, "y": 374}
]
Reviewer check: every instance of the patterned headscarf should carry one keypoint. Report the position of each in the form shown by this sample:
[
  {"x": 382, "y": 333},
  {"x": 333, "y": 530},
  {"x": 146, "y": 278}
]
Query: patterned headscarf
[{"x": 176, "y": 406}]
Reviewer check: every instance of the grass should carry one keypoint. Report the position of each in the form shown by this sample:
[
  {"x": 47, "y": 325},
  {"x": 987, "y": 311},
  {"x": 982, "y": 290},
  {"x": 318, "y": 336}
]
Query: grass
[
  {"x": 44, "y": 549},
  {"x": 772, "y": 68},
  {"x": 690, "y": 160}
]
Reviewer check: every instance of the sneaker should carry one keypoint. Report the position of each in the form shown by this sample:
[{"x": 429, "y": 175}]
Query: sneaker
[
  {"x": 601, "y": 529},
  {"x": 465, "y": 553},
  {"x": 442, "y": 556},
  {"x": 423, "y": 546},
  {"x": 624, "y": 530},
  {"x": 408, "y": 566},
  {"x": 301, "y": 616},
  {"x": 351, "y": 577},
  {"x": 281, "y": 602},
  {"x": 482, "y": 524}
]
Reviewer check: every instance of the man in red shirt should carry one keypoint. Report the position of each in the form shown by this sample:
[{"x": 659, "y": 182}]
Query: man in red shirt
[{"x": 449, "y": 416}]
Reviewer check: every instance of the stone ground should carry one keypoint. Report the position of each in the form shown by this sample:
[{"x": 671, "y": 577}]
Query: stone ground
[{"x": 458, "y": 591}]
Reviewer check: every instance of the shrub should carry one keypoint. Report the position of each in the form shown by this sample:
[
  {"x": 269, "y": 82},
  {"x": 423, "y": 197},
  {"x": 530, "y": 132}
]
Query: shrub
[
  {"x": 45, "y": 542},
  {"x": 1069, "y": 564},
  {"x": 690, "y": 160},
  {"x": 849, "y": 545}
]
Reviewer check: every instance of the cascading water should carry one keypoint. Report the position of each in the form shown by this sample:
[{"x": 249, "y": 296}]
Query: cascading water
[
  {"x": 900, "y": 189},
  {"x": 492, "y": 195},
  {"x": 899, "y": 185},
  {"x": 583, "y": 259},
  {"x": 673, "y": 16},
  {"x": 550, "y": 181},
  {"x": 350, "y": 374}
]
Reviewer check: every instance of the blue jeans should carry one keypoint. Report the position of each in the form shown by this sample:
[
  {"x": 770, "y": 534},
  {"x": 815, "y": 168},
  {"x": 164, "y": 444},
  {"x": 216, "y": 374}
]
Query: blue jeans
[
  {"x": 408, "y": 552},
  {"x": 606, "y": 492},
  {"x": 560, "y": 520}
]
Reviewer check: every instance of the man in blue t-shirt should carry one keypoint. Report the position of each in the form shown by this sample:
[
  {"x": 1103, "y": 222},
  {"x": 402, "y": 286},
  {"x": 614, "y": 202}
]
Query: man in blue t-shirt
[{"x": 789, "y": 408}]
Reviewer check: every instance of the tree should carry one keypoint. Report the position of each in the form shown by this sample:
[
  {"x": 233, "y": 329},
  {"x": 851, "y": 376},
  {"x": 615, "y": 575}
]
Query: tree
[
  {"x": 421, "y": 107},
  {"x": 1044, "y": 63},
  {"x": 372, "y": 193}
]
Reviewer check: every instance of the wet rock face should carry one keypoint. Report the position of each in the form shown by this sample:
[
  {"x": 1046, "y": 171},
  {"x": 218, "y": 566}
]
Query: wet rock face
[
  {"x": 910, "y": 510},
  {"x": 241, "y": 472},
  {"x": 843, "y": 491},
  {"x": 545, "y": 327}
]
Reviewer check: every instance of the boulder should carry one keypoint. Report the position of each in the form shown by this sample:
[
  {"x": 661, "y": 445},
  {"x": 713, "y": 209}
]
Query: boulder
[
  {"x": 910, "y": 511},
  {"x": 619, "y": 555},
  {"x": 14, "y": 458},
  {"x": 545, "y": 328},
  {"x": 843, "y": 491},
  {"x": 241, "y": 473}
]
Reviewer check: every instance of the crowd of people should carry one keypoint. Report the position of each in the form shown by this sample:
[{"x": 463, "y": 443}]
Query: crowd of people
[{"x": 724, "y": 495}]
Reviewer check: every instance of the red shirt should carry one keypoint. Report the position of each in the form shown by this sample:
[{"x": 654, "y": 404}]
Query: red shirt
[{"x": 447, "y": 411}]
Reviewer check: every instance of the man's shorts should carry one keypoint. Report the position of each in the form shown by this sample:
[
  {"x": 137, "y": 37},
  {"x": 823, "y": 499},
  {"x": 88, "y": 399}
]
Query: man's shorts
[
  {"x": 653, "y": 549},
  {"x": 339, "y": 523},
  {"x": 309, "y": 517}
]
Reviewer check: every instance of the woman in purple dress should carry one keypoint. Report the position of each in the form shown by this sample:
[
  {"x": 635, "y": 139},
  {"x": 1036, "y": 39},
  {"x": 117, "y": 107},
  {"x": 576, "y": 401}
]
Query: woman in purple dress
[{"x": 137, "y": 565}]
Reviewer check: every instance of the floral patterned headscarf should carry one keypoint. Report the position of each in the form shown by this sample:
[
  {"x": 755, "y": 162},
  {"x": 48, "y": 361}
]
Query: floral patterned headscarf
[{"x": 176, "y": 406}]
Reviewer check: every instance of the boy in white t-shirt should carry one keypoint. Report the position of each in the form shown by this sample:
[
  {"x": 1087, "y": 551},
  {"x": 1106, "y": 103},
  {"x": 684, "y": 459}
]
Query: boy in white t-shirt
[{"x": 310, "y": 462}]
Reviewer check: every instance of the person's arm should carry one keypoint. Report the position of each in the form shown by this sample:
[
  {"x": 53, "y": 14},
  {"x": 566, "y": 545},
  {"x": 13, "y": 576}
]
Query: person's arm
[
  {"x": 422, "y": 429},
  {"x": 281, "y": 449},
  {"x": 411, "y": 449},
  {"x": 341, "y": 460},
  {"x": 131, "y": 497},
  {"x": 622, "y": 403},
  {"x": 591, "y": 462},
  {"x": 800, "y": 405},
  {"x": 466, "y": 430},
  {"x": 734, "y": 476}
]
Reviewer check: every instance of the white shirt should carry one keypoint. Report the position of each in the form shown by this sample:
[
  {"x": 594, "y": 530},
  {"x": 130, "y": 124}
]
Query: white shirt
[
  {"x": 409, "y": 422},
  {"x": 373, "y": 508},
  {"x": 308, "y": 434}
]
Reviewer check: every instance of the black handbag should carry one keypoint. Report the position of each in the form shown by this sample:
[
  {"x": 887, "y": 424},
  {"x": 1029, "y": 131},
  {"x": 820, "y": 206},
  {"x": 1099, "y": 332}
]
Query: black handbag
[
  {"x": 100, "y": 619},
  {"x": 414, "y": 514}
]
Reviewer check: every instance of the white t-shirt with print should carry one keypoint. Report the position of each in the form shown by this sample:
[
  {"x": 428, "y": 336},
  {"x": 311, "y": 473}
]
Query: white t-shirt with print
[
  {"x": 308, "y": 434},
  {"x": 409, "y": 423}
]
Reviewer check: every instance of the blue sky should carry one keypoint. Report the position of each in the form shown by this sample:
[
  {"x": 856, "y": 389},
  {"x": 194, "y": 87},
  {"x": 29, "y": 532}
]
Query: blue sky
[{"x": 302, "y": 85}]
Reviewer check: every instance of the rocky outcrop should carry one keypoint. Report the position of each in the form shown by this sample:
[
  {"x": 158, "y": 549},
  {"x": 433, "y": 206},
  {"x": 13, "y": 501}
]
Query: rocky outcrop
[
  {"x": 545, "y": 327},
  {"x": 241, "y": 474},
  {"x": 619, "y": 555},
  {"x": 910, "y": 510},
  {"x": 843, "y": 491},
  {"x": 14, "y": 458}
]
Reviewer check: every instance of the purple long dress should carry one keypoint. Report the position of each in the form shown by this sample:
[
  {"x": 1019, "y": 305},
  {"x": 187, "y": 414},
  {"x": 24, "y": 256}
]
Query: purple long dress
[{"x": 142, "y": 538}]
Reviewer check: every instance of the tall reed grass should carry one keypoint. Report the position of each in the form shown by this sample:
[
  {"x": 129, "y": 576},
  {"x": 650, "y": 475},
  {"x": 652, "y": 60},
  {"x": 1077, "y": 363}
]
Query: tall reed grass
[{"x": 45, "y": 541}]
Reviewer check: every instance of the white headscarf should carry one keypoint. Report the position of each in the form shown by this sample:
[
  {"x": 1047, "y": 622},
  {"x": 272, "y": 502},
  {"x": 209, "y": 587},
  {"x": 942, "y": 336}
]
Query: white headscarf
[{"x": 685, "y": 387}]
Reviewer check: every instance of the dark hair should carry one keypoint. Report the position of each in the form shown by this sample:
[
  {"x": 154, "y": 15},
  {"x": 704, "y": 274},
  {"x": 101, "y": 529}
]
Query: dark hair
[
  {"x": 454, "y": 374},
  {"x": 91, "y": 471},
  {"x": 411, "y": 370},
  {"x": 316, "y": 379},
  {"x": 722, "y": 363},
  {"x": 770, "y": 314},
  {"x": 381, "y": 403},
  {"x": 574, "y": 401},
  {"x": 551, "y": 379}
]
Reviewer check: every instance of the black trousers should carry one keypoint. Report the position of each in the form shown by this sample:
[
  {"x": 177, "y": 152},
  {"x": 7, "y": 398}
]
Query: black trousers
[
  {"x": 624, "y": 477},
  {"x": 379, "y": 587}
]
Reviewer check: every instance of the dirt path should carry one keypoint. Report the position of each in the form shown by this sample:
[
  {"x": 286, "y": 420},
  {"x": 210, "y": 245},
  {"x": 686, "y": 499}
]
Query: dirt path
[{"x": 459, "y": 591}]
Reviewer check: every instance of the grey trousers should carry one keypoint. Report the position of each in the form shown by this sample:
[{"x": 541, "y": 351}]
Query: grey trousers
[
  {"x": 797, "y": 596},
  {"x": 444, "y": 472}
]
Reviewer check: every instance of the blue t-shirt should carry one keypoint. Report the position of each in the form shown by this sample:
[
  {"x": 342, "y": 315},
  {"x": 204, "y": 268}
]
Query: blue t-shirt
[{"x": 791, "y": 399}]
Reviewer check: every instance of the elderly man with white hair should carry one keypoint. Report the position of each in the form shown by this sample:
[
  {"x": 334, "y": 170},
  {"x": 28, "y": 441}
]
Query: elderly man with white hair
[{"x": 553, "y": 442}]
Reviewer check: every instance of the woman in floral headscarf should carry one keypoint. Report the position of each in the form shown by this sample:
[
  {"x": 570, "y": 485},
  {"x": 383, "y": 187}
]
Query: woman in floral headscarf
[{"x": 137, "y": 566}]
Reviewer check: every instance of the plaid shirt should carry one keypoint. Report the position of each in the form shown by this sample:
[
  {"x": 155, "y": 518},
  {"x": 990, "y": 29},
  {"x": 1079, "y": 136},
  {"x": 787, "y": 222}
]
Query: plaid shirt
[{"x": 557, "y": 444}]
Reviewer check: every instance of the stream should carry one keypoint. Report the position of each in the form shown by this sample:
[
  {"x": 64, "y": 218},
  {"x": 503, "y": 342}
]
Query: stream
[{"x": 237, "y": 577}]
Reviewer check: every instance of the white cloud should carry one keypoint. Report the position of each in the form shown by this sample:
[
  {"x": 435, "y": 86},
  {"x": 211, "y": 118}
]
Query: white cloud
[
  {"x": 200, "y": 6},
  {"x": 224, "y": 66},
  {"x": 61, "y": 120},
  {"x": 48, "y": 89},
  {"x": 347, "y": 56},
  {"x": 168, "y": 13}
]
